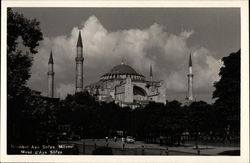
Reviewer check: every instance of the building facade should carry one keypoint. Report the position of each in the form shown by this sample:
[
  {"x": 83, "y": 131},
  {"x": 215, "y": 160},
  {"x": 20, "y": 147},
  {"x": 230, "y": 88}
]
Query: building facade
[{"x": 123, "y": 85}]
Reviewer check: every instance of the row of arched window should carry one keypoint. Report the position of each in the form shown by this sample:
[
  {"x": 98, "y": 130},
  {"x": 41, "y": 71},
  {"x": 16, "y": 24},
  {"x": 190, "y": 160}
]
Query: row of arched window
[{"x": 122, "y": 76}]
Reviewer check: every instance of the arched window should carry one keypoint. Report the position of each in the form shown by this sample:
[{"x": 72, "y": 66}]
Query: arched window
[{"x": 139, "y": 91}]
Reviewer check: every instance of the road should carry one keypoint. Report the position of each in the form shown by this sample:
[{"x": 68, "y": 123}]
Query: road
[{"x": 86, "y": 146}]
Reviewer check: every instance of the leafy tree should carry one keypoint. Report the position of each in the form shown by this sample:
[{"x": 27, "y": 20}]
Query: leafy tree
[
  {"x": 198, "y": 117},
  {"x": 151, "y": 115},
  {"x": 19, "y": 26},
  {"x": 175, "y": 121},
  {"x": 19, "y": 61},
  {"x": 158, "y": 120},
  {"x": 227, "y": 92}
]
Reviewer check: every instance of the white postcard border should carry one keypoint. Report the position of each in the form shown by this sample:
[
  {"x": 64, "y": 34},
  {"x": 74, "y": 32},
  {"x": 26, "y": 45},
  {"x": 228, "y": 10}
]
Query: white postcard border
[{"x": 243, "y": 5}]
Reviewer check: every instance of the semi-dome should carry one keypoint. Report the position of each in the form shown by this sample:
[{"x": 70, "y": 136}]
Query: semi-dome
[{"x": 122, "y": 71}]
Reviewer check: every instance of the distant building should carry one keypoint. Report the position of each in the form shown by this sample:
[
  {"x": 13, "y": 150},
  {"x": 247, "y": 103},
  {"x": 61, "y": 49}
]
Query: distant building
[{"x": 127, "y": 87}]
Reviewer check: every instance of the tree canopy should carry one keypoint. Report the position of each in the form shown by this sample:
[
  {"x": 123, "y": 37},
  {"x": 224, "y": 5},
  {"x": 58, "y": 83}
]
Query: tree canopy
[
  {"x": 25, "y": 106},
  {"x": 20, "y": 60},
  {"x": 227, "y": 91},
  {"x": 19, "y": 26}
]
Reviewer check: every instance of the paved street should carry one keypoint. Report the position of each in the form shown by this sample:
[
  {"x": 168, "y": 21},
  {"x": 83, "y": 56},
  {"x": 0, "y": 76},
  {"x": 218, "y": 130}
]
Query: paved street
[{"x": 141, "y": 148}]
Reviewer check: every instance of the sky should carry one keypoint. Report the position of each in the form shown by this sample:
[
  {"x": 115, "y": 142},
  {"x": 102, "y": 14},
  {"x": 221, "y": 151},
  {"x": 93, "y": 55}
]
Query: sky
[{"x": 163, "y": 37}]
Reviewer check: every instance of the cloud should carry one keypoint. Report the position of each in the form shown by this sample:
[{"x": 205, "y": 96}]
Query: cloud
[{"x": 168, "y": 53}]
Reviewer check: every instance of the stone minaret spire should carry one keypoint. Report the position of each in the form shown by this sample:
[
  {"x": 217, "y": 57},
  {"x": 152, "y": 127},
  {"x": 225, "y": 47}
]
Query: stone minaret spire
[
  {"x": 79, "y": 64},
  {"x": 190, "y": 79},
  {"x": 51, "y": 76},
  {"x": 151, "y": 74}
]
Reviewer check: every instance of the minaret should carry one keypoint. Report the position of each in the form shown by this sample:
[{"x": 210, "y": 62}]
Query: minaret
[
  {"x": 51, "y": 76},
  {"x": 151, "y": 74},
  {"x": 190, "y": 79},
  {"x": 79, "y": 64}
]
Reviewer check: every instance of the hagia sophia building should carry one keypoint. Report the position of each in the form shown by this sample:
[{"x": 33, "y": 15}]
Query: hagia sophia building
[{"x": 122, "y": 84}]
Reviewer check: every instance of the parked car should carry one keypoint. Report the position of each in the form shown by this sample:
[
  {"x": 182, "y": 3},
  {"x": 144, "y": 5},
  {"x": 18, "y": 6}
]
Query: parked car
[{"x": 129, "y": 139}]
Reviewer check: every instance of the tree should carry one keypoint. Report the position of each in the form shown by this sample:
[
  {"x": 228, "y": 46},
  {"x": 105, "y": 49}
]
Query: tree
[
  {"x": 152, "y": 114},
  {"x": 175, "y": 121},
  {"x": 227, "y": 92},
  {"x": 19, "y": 26},
  {"x": 96, "y": 120},
  {"x": 199, "y": 117},
  {"x": 156, "y": 120},
  {"x": 19, "y": 62}
]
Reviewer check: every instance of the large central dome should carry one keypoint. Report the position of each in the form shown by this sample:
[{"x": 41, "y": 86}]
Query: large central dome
[{"x": 122, "y": 71}]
